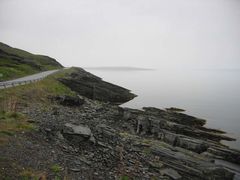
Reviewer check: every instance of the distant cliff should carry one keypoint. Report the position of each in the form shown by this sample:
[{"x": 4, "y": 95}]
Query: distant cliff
[{"x": 15, "y": 63}]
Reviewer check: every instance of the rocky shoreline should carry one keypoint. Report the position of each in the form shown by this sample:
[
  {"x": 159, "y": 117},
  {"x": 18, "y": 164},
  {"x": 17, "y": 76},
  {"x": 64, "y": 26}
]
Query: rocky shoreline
[{"x": 91, "y": 137}]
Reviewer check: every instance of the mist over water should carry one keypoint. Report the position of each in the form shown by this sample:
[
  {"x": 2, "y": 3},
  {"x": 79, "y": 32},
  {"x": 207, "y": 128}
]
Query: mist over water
[
  {"x": 209, "y": 94},
  {"x": 144, "y": 33}
]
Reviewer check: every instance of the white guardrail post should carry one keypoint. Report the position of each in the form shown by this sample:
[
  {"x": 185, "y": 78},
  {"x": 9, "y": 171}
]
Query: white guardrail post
[{"x": 4, "y": 85}]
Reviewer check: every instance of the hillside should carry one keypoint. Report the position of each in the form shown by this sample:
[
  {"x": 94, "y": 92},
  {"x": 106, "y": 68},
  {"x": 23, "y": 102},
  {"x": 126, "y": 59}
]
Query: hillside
[
  {"x": 16, "y": 63},
  {"x": 70, "y": 125}
]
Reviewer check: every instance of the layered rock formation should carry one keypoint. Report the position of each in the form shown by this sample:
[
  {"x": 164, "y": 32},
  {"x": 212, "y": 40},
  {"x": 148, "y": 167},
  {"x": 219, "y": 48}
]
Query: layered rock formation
[{"x": 93, "y": 87}]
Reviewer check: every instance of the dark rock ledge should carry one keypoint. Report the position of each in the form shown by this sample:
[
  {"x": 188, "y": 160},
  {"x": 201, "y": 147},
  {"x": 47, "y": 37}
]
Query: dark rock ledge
[{"x": 93, "y": 87}]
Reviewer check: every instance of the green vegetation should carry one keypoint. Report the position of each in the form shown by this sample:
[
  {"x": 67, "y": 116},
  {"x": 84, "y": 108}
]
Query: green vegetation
[
  {"x": 56, "y": 168},
  {"x": 16, "y": 63},
  {"x": 29, "y": 174},
  {"x": 147, "y": 151},
  {"x": 11, "y": 123},
  {"x": 12, "y": 170},
  {"x": 124, "y": 178},
  {"x": 38, "y": 91}
]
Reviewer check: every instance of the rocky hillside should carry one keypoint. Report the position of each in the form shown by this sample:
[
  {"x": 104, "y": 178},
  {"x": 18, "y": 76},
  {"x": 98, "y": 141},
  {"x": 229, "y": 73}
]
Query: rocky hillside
[
  {"x": 70, "y": 126},
  {"x": 16, "y": 63}
]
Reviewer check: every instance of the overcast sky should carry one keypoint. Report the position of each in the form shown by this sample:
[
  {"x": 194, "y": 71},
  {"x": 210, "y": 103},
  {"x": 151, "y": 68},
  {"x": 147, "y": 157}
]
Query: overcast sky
[{"x": 141, "y": 33}]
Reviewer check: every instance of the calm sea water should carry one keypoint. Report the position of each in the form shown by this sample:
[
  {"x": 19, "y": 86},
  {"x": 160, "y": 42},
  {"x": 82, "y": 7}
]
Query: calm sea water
[{"x": 213, "y": 95}]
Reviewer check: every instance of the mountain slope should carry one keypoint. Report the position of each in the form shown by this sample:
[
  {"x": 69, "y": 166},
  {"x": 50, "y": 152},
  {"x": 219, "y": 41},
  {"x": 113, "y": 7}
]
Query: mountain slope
[{"x": 16, "y": 63}]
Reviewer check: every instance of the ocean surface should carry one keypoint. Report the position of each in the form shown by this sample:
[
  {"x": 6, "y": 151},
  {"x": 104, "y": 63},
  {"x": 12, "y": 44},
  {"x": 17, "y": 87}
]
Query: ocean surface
[{"x": 210, "y": 94}]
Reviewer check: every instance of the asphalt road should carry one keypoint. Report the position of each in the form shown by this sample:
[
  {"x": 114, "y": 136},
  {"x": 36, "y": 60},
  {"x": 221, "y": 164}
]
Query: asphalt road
[{"x": 26, "y": 79}]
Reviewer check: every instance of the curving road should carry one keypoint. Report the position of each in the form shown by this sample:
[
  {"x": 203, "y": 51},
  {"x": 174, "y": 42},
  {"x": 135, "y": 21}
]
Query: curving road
[{"x": 27, "y": 79}]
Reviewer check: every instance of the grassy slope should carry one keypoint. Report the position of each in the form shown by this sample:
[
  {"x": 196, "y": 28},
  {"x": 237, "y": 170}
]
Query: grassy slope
[
  {"x": 16, "y": 63},
  {"x": 13, "y": 122},
  {"x": 38, "y": 90}
]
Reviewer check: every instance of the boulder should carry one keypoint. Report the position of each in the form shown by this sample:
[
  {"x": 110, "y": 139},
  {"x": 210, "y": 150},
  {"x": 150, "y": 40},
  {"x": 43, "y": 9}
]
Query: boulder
[
  {"x": 77, "y": 134},
  {"x": 69, "y": 100}
]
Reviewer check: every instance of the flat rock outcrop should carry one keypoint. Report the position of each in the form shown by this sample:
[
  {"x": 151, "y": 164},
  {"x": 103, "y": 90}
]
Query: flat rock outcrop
[{"x": 93, "y": 87}]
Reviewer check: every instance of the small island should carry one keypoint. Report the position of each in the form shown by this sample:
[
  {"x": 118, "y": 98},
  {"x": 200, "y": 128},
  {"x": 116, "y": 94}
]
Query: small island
[{"x": 118, "y": 68}]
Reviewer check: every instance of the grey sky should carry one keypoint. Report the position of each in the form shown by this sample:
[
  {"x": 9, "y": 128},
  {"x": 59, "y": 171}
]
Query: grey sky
[{"x": 142, "y": 33}]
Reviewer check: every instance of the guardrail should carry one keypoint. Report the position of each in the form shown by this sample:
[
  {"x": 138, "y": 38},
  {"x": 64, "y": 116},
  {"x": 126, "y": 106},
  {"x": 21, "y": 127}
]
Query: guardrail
[
  {"x": 4, "y": 85},
  {"x": 17, "y": 82}
]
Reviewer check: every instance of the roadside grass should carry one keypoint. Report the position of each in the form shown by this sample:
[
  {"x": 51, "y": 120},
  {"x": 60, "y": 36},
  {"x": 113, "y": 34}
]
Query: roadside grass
[
  {"x": 12, "y": 170},
  {"x": 11, "y": 120},
  {"x": 124, "y": 178},
  {"x": 38, "y": 91},
  {"x": 12, "y": 123},
  {"x": 15, "y": 72},
  {"x": 29, "y": 174},
  {"x": 56, "y": 168}
]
